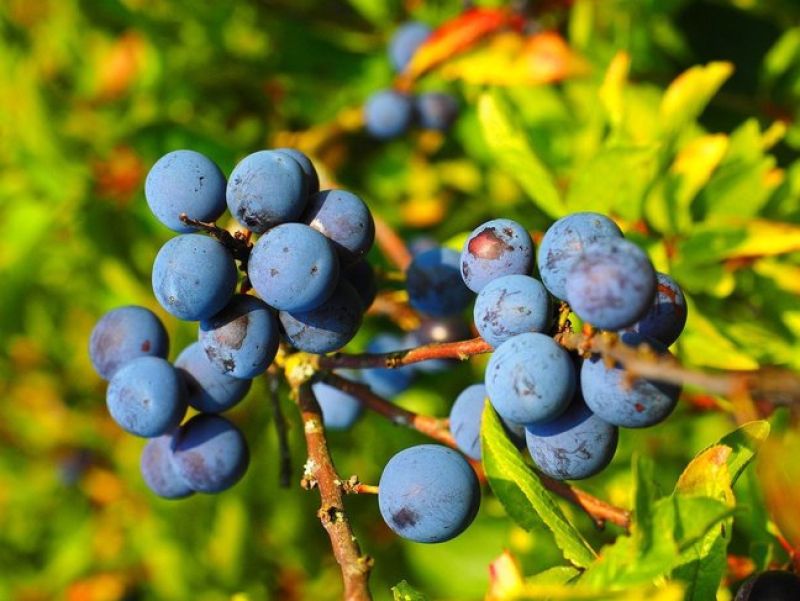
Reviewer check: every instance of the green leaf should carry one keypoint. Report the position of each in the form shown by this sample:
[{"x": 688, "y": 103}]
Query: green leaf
[
  {"x": 640, "y": 558},
  {"x": 522, "y": 493},
  {"x": 625, "y": 173},
  {"x": 403, "y": 591},
  {"x": 555, "y": 575},
  {"x": 513, "y": 153},
  {"x": 743, "y": 443},
  {"x": 689, "y": 93}
]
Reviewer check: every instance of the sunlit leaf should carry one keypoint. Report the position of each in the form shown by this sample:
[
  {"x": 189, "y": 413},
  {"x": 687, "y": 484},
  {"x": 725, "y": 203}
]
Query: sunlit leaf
[
  {"x": 690, "y": 92},
  {"x": 511, "y": 150},
  {"x": 522, "y": 494}
]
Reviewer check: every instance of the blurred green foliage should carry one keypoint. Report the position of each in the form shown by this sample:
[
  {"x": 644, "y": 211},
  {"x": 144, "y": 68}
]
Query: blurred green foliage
[{"x": 703, "y": 170}]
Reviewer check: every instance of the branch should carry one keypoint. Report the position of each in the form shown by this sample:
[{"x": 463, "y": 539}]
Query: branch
[
  {"x": 438, "y": 429},
  {"x": 433, "y": 427},
  {"x": 238, "y": 243},
  {"x": 320, "y": 472},
  {"x": 779, "y": 386},
  {"x": 460, "y": 350},
  {"x": 398, "y": 311},
  {"x": 391, "y": 244}
]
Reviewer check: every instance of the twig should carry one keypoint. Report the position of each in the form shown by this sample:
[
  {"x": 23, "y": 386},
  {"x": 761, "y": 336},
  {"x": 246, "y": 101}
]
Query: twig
[
  {"x": 321, "y": 473},
  {"x": 391, "y": 244},
  {"x": 353, "y": 486},
  {"x": 437, "y": 429},
  {"x": 779, "y": 386},
  {"x": 430, "y": 426},
  {"x": 238, "y": 243},
  {"x": 460, "y": 350},
  {"x": 285, "y": 469}
]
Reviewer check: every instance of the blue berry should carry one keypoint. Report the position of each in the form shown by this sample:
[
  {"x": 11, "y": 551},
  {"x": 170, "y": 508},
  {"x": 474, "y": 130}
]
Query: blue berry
[
  {"x": 612, "y": 284},
  {"x": 428, "y": 494},
  {"x": 242, "y": 339},
  {"x": 772, "y": 585},
  {"x": 420, "y": 244},
  {"x": 388, "y": 114},
  {"x": 146, "y": 397},
  {"x": 615, "y": 398},
  {"x": 194, "y": 276},
  {"x": 404, "y": 43},
  {"x": 124, "y": 334},
  {"x": 530, "y": 379},
  {"x": 575, "y": 445},
  {"x": 496, "y": 248},
  {"x": 312, "y": 179},
  {"x": 465, "y": 422},
  {"x": 441, "y": 329},
  {"x": 339, "y": 409},
  {"x": 158, "y": 472},
  {"x": 267, "y": 188},
  {"x": 185, "y": 181},
  {"x": 327, "y": 327},
  {"x": 344, "y": 219},
  {"x": 563, "y": 244},
  {"x": 434, "y": 283},
  {"x": 293, "y": 268},
  {"x": 361, "y": 277},
  {"x": 209, "y": 453},
  {"x": 436, "y": 110},
  {"x": 384, "y": 381},
  {"x": 207, "y": 388},
  {"x": 511, "y": 305},
  {"x": 665, "y": 319}
]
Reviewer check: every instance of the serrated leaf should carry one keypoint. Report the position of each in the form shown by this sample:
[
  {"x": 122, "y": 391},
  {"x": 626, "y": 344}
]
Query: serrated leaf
[
  {"x": 403, "y": 591},
  {"x": 522, "y": 493},
  {"x": 513, "y": 153},
  {"x": 689, "y": 93},
  {"x": 625, "y": 173}
]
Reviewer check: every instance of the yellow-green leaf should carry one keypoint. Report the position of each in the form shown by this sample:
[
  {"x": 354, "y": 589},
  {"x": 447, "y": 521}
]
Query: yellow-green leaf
[{"x": 689, "y": 93}]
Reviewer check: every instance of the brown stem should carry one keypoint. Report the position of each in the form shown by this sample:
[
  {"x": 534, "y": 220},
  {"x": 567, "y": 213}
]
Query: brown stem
[
  {"x": 391, "y": 244},
  {"x": 461, "y": 350},
  {"x": 430, "y": 426},
  {"x": 320, "y": 472},
  {"x": 779, "y": 386},
  {"x": 238, "y": 243},
  {"x": 438, "y": 429}
]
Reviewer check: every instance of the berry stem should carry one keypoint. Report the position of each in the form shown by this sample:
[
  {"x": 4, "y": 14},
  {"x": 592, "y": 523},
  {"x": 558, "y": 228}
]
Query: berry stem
[
  {"x": 320, "y": 472},
  {"x": 461, "y": 350}
]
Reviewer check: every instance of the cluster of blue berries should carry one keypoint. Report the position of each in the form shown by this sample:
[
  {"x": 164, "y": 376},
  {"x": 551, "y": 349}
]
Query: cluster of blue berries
[
  {"x": 567, "y": 409},
  {"x": 389, "y": 113},
  {"x": 313, "y": 284}
]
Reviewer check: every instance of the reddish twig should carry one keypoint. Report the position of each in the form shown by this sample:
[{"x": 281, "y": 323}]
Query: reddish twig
[
  {"x": 430, "y": 426},
  {"x": 321, "y": 473},
  {"x": 353, "y": 486},
  {"x": 391, "y": 244},
  {"x": 438, "y": 429},
  {"x": 779, "y": 386},
  {"x": 460, "y": 350}
]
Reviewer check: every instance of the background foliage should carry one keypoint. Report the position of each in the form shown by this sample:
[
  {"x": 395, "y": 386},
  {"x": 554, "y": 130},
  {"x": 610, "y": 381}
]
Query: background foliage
[{"x": 703, "y": 170}]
